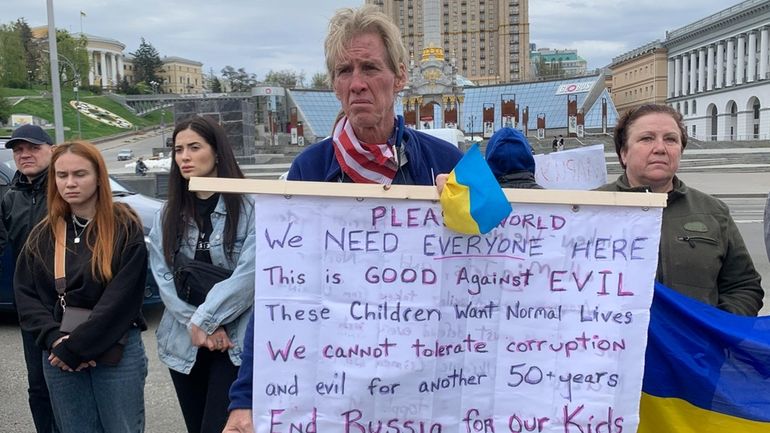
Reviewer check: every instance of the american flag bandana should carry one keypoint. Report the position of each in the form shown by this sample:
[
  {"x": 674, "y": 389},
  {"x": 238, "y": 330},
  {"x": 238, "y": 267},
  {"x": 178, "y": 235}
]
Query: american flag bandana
[{"x": 364, "y": 163}]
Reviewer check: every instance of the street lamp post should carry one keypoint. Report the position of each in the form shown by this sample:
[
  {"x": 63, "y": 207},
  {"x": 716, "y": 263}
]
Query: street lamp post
[{"x": 58, "y": 118}]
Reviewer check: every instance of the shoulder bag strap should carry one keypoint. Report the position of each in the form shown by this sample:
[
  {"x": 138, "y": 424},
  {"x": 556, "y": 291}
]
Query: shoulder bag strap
[{"x": 59, "y": 274}]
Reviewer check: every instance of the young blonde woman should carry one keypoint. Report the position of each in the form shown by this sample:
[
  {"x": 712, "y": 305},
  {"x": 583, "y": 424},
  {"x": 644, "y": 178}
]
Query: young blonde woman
[
  {"x": 200, "y": 338},
  {"x": 94, "y": 362}
]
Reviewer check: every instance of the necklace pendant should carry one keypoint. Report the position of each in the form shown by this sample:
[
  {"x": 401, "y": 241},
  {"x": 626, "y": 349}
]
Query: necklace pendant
[{"x": 77, "y": 239}]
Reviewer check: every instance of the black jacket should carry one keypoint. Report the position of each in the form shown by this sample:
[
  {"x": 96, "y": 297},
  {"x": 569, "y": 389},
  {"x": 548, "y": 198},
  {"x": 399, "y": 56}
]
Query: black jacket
[
  {"x": 23, "y": 206},
  {"x": 702, "y": 253},
  {"x": 519, "y": 179},
  {"x": 116, "y": 305}
]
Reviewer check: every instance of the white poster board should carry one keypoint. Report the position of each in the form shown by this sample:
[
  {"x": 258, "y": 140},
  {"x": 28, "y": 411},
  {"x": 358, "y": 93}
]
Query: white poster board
[
  {"x": 580, "y": 168},
  {"x": 371, "y": 316}
]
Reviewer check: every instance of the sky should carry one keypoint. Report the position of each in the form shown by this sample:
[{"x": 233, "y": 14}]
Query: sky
[{"x": 264, "y": 35}]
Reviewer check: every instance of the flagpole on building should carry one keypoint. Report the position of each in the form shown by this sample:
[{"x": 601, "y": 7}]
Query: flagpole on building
[{"x": 53, "y": 53}]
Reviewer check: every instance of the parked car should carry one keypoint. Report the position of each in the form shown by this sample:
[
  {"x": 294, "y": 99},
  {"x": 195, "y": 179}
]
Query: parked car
[
  {"x": 125, "y": 155},
  {"x": 145, "y": 207}
]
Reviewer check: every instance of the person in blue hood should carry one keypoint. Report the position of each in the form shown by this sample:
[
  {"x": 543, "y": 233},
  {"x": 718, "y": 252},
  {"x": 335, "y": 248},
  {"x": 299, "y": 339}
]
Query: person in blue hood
[{"x": 509, "y": 155}]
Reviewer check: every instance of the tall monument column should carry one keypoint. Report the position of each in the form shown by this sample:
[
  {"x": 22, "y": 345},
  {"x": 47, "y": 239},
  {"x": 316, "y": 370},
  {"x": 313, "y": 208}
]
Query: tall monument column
[
  {"x": 710, "y": 68},
  {"x": 701, "y": 70},
  {"x": 693, "y": 72},
  {"x": 751, "y": 65},
  {"x": 720, "y": 65},
  {"x": 730, "y": 69},
  {"x": 103, "y": 72},
  {"x": 740, "y": 61},
  {"x": 677, "y": 76},
  {"x": 685, "y": 74},
  {"x": 763, "y": 53},
  {"x": 91, "y": 67},
  {"x": 671, "y": 78},
  {"x": 114, "y": 69}
]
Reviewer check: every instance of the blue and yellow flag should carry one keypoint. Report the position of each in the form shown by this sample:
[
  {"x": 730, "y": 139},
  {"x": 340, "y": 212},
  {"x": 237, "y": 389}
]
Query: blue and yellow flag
[
  {"x": 706, "y": 370},
  {"x": 472, "y": 200}
]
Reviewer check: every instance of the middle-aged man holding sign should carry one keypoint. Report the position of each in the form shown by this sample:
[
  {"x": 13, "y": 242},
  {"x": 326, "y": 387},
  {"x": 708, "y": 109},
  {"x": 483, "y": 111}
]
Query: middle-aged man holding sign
[{"x": 366, "y": 62}]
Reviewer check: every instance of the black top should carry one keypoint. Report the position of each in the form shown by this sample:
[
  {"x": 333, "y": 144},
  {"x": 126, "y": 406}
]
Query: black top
[
  {"x": 203, "y": 209},
  {"x": 23, "y": 206},
  {"x": 117, "y": 305}
]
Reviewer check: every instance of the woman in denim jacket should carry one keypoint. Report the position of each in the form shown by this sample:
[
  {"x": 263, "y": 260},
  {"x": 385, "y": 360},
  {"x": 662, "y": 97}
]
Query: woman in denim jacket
[{"x": 202, "y": 344}]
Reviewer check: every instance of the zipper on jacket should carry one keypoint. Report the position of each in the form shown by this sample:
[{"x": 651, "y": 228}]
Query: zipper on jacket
[{"x": 692, "y": 239}]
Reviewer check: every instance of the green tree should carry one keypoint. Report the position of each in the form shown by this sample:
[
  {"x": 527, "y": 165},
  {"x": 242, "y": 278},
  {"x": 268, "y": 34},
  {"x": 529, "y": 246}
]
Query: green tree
[
  {"x": 320, "y": 80},
  {"x": 5, "y": 110},
  {"x": 127, "y": 89},
  {"x": 215, "y": 85},
  {"x": 12, "y": 70},
  {"x": 146, "y": 63},
  {"x": 33, "y": 53},
  {"x": 73, "y": 58},
  {"x": 240, "y": 80},
  {"x": 285, "y": 78}
]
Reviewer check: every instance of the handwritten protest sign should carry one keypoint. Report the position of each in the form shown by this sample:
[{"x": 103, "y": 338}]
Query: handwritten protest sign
[
  {"x": 370, "y": 316},
  {"x": 581, "y": 168}
]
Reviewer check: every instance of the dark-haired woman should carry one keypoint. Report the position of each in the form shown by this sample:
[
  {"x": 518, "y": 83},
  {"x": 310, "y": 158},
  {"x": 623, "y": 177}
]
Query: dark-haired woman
[
  {"x": 95, "y": 367},
  {"x": 702, "y": 254},
  {"x": 202, "y": 344}
]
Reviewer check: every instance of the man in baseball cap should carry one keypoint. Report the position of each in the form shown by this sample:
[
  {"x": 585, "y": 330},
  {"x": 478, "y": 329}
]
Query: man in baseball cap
[
  {"x": 29, "y": 133},
  {"x": 23, "y": 206}
]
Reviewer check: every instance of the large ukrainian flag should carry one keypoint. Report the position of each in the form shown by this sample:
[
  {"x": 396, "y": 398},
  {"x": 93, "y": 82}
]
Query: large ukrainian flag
[
  {"x": 706, "y": 370},
  {"x": 472, "y": 200}
]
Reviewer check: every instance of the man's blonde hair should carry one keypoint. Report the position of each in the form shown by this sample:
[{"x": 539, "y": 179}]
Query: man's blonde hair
[{"x": 349, "y": 23}]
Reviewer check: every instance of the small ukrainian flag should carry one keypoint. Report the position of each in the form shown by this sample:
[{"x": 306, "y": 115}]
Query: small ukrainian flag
[{"x": 472, "y": 200}]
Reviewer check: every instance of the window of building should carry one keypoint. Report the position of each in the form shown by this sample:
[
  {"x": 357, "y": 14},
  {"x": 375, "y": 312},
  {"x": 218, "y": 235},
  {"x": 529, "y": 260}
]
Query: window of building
[
  {"x": 686, "y": 111},
  {"x": 694, "y": 107}
]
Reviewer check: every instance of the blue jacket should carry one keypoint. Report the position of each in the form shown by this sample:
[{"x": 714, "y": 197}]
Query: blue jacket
[
  {"x": 509, "y": 155},
  {"x": 426, "y": 157},
  {"x": 228, "y": 304}
]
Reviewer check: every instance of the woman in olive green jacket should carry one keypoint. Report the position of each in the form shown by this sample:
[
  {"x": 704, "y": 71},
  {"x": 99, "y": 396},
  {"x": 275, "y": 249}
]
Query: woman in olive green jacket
[{"x": 702, "y": 254}]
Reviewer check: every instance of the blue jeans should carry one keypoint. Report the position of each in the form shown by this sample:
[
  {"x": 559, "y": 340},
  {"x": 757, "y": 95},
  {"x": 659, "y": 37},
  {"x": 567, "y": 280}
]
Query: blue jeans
[
  {"x": 101, "y": 399},
  {"x": 39, "y": 401}
]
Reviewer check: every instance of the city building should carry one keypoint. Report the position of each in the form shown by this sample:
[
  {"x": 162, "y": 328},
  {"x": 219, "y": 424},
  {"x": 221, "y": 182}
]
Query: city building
[
  {"x": 489, "y": 39},
  {"x": 180, "y": 75},
  {"x": 176, "y": 75},
  {"x": 639, "y": 77},
  {"x": 718, "y": 75},
  {"x": 547, "y": 63},
  {"x": 109, "y": 64},
  {"x": 105, "y": 57}
]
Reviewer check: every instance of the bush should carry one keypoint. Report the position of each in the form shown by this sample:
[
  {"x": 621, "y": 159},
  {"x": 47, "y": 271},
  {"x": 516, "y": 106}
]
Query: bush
[
  {"x": 96, "y": 90},
  {"x": 5, "y": 110}
]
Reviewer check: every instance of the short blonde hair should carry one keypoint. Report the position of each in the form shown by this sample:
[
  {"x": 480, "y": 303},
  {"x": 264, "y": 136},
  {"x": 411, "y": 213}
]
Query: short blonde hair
[{"x": 349, "y": 23}]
